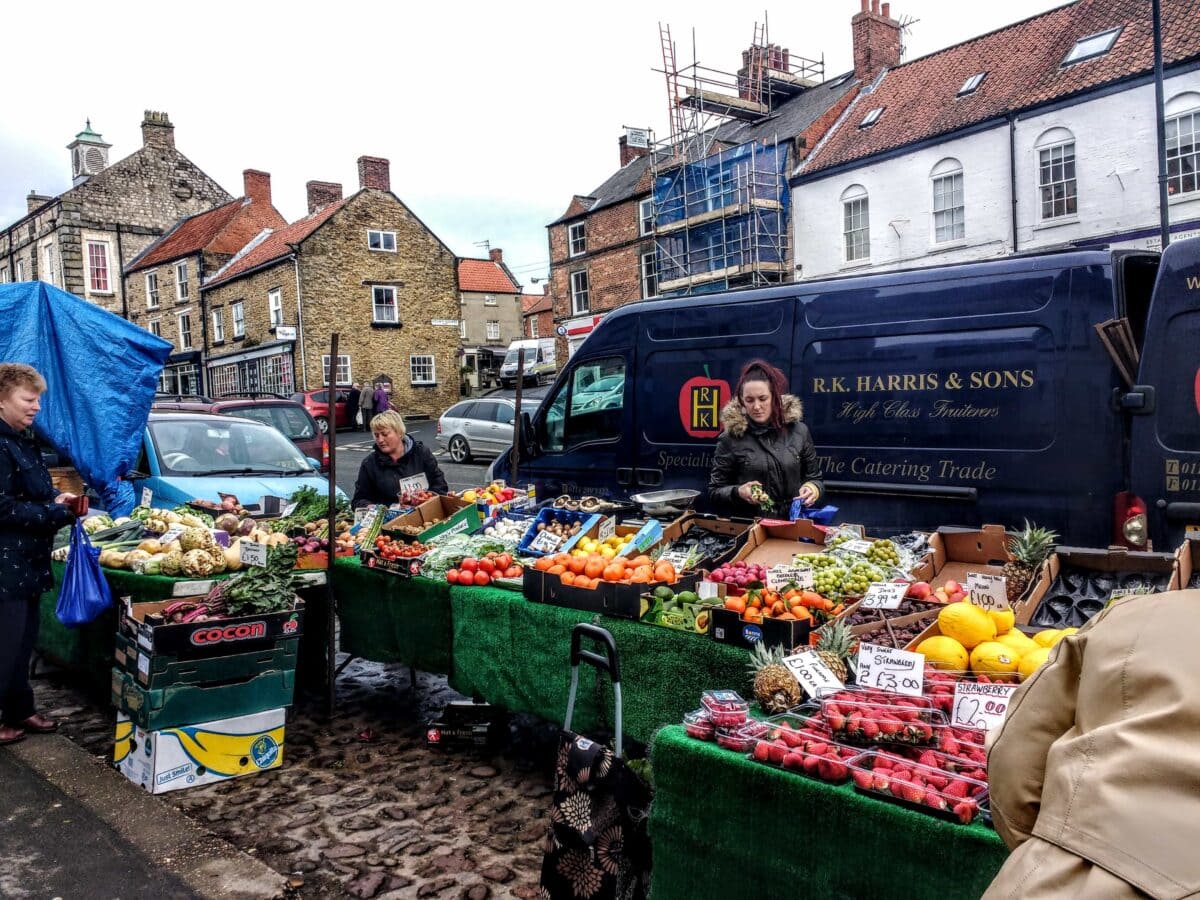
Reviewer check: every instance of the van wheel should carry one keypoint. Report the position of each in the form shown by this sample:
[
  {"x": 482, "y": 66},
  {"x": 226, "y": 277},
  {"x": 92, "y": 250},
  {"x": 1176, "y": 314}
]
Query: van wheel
[
  {"x": 459, "y": 451},
  {"x": 323, "y": 425}
]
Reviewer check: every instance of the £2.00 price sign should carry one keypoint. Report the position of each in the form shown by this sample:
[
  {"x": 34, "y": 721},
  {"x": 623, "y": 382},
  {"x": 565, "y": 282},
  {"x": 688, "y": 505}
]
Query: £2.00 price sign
[
  {"x": 980, "y": 706},
  {"x": 888, "y": 669}
]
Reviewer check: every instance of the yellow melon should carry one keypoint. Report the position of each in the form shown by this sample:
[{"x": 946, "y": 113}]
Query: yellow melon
[
  {"x": 1048, "y": 637},
  {"x": 994, "y": 658},
  {"x": 1004, "y": 619},
  {"x": 943, "y": 652},
  {"x": 966, "y": 623},
  {"x": 1020, "y": 642},
  {"x": 1033, "y": 660}
]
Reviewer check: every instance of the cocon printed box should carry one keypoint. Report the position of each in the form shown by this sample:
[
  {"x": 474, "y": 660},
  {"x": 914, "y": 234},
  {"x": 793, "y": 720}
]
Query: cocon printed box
[{"x": 172, "y": 759}]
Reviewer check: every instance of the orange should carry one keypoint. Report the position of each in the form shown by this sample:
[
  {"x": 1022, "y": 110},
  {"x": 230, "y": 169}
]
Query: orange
[
  {"x": 543, "y": 564},
  {"x": 557, "y": 569},
  {"x": 561, "y": 559},
  {"x": 664, "y": 571},
  {"x": 577, "y": 564},
  {"x": 752, "y": 615},
  {"x": 613, "y": 573},
  {"x": 639, "y": 561}
]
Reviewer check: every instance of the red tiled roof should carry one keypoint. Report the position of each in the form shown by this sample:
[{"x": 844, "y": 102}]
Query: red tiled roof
[
  {"x": 189, "y": 236},
  {"x": 275, "y": 245},
  {"x": 1024, "y": 68},
  {"x": 484, "y": 276},
  {"x": 535, "y": 303}
]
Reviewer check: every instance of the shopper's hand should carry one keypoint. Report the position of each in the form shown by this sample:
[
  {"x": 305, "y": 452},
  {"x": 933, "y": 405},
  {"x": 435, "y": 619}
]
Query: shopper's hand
[
  {"x": 745, "y": 491},
  {"x": 807, "y": 495}
]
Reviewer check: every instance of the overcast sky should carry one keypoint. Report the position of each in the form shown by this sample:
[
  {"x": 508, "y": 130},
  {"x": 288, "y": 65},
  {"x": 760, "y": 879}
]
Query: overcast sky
[{"x": 493, "y": 114}]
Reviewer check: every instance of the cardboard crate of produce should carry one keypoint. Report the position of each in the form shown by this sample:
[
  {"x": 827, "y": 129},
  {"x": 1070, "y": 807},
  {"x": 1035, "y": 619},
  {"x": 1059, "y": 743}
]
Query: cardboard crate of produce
[
  {"x": 1112, "y": 560},
  {"x": 403, "y": 567},
  {"x": 728, "y": 628},
  {"x": 956, "y": 552},
  {"x": 776, "y": 543},
  {"x": 1188, "y": 561},
  {"x": 441, "y": 515},
  {"x": 739, "y": 530},
  {"x": 192, "y": 640},
  {"x": 171, "y": 759},
  {"x": 608, "y": 598},
  {"x": 156, "y": 671},
  {"x": 183, "y": 704}
]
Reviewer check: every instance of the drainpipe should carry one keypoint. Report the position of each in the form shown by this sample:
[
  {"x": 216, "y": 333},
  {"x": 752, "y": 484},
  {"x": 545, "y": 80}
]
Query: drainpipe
[
  {"x": 300, "y": 324},
  {"x": 1012, "y": 176},
  {"x": 203, "y": 324},
  {"x": 121, "y": 266},
  {"x": 1159, "y": 111}
]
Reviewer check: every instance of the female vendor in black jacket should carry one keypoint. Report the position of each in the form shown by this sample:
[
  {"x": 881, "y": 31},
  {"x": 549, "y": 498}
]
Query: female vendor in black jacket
[
  {"x": 396, "y": 457},
  {"x": 765, "y": 456}
]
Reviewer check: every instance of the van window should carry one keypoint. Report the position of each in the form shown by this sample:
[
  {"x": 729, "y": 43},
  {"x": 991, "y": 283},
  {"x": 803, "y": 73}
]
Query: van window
[
  {"x": 588, "y": 407},
  {"x": 1135, "y": 278}
]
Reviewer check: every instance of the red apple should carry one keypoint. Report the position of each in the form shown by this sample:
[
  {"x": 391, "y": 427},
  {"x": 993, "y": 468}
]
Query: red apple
[
  {"x": 920, "y": 590},
  {"x": 952, "y": 587}
]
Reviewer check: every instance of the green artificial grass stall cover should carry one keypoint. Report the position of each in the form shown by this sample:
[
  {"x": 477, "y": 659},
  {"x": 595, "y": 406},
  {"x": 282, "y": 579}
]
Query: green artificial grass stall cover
[
  {"x": 392, "y": 619},
  {"x": 725, "y": 826},
  {"x": 517, "y": 654}
]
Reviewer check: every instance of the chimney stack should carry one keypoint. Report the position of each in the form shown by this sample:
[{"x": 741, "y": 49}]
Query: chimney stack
[
  {"x": 373, "y": 173},
  {"x": 34, "y": 200},
  {"x": 257, "y": 186},
  {"x": 629, "y": 154},
  {"x": 497, "y": 255},
  {"x": 321, "y": 194},
  {"x": 876, "y": 40},
  {"x": 771, "y": 56},
  {"x": 157, "y": 130}
]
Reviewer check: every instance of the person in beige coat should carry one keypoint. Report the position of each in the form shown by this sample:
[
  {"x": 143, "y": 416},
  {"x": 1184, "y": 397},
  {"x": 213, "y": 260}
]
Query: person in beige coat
[{"x": 1095, "y": 774}]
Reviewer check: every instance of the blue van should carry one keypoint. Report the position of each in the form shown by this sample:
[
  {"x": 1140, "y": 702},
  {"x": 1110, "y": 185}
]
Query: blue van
[{"x": 956, "y": 395}]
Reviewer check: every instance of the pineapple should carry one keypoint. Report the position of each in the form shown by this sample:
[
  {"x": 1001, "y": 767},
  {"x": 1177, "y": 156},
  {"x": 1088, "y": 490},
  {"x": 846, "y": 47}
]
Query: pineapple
[
  {"x": 775, "y": 687},
  {"x": 1029, "y": 549},
  {"x": 834, "y": 646}
]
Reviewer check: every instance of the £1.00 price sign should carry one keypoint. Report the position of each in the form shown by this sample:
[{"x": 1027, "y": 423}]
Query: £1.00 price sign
[
  {"x": 889, "y": 669},
  {"x": 813, "y": 675},
  {"x": 980, "y": 706},
  {"x": 988, "y": 591}
]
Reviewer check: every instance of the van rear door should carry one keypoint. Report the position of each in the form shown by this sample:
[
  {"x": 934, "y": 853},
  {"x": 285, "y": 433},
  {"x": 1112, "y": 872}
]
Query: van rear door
[{"x": 1165, "y": 402}]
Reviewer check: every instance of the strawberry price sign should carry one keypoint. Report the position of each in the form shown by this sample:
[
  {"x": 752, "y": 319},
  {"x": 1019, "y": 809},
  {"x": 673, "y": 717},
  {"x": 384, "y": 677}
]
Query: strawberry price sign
[
  {"x": 980, "y": 706},
  {"x": 889, "y": 669}
]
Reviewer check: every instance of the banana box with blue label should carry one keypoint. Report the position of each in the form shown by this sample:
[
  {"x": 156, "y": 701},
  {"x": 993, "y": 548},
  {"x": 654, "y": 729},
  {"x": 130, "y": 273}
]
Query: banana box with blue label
[{"x": 173, "y": 759}]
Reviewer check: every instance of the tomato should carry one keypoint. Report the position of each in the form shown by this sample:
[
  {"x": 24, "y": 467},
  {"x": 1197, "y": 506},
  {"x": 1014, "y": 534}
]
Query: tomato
[
  {"x": 482, "y": 579},
  {"x": 513, "y": 572},
  {"x": 504, "y": 561},
  {"x": 469, "y": 564},
  {"x": 452, "y": 576},
  {"x": 486, "y": 565}
]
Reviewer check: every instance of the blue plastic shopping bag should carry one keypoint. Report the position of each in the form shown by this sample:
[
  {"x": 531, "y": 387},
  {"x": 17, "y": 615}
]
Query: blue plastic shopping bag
[
  {"x": 85, "y": 593},
  {"x": 818, "y": 516}
]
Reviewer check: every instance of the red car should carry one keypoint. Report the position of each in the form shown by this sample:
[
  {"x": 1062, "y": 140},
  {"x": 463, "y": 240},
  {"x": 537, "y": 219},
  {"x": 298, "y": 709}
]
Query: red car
[{"x": 317, "y": 403}]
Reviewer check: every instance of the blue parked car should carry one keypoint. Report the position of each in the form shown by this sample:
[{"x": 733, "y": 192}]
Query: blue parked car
[{"x": 198, "y": 456}]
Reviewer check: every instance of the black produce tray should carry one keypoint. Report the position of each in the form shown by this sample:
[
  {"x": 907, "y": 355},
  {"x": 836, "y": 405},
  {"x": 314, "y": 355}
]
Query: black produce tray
[{"x": 1077, "y": 594}]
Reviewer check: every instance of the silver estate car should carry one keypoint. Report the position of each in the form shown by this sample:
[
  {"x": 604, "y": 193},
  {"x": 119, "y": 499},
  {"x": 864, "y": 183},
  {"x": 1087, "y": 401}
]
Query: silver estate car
[{"x": 477, "y": 428}]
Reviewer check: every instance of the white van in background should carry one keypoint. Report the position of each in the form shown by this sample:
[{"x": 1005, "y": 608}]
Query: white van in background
[{"x": 540, "y": 362}]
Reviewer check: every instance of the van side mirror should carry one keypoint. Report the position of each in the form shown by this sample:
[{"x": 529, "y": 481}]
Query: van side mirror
[{"x": 526, "y": 437}]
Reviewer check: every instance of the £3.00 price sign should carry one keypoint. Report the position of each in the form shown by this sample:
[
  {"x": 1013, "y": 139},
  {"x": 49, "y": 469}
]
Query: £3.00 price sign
[
  {"x": 980, "y": 706},
  {"x": 888, "y": 669}
]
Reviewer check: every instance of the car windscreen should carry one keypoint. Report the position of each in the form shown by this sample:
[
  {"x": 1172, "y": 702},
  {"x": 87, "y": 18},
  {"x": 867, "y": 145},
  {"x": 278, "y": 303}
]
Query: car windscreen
[
  {"x": 204, "y": 447},
  {"x": 293, "y": 421}
]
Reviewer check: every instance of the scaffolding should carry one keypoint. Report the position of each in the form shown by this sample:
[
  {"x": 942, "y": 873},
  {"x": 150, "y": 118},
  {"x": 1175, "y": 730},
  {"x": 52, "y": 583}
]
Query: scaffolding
[{"x": 721, "y": 208}]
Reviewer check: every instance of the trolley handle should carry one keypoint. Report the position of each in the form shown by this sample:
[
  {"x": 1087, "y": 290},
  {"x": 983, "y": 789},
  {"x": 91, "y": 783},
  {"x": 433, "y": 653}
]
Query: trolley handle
[{"x": 608, "y": 662}]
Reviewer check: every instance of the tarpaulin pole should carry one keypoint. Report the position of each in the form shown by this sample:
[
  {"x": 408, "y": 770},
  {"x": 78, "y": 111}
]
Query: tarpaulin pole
[{"x": 330, "y": 602}]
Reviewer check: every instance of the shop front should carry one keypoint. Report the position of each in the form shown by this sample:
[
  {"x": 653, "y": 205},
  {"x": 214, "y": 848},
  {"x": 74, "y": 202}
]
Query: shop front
[
  {"x": 268, "y": 368},
  {"x": 181, "y": 374},
  {"x": 576, "y": 331}
]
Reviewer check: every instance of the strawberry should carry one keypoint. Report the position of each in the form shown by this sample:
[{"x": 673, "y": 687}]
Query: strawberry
[
  {"x": 832, "y": 709},
  {"x": 854, "y": 723},
  {"x": 910, "y": 792},
  {"x": 884, "y": 762},
  {"x": 983, "y": 679},
  {"x": 870, "y": 729},
  {"x": 817, "y": 747},
  {"x": 762, "y": 751},
  {"x": 810, "y": 764},
  {"x": 902, "y": 774},
  {"x": 956, "y": 789},
  {"x": 949, "y": 745},
  {"x": 864, "y": 779},
  {"x": 905, "y": 713},
  {"x": 794, "y": 762},
  {"x": 776, "y": 751},
  {"x": 791, "y": 738},
  {"x": 965, "y": 811},
  {"x": 937, "y": 781},
  {"x": 890, "y": 727},
  {"x": 934, "y": 800},
  {"x": 881, "y": 781},
  {"x": 837, "y": 722},
  {"x": 832, "y": 771},
  {"x": 920, "y": 731},
  {"x": 928, "y": 759}
]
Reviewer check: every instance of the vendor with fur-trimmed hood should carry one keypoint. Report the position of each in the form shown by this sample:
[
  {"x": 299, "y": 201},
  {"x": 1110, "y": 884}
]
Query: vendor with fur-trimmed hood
[{"x": 765, "y": 456}]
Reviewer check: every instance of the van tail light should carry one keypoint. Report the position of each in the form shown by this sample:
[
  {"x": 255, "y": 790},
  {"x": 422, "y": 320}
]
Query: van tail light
[
  {"x": 325, "y": 452},
  {"x": 1130, "y": 526}
]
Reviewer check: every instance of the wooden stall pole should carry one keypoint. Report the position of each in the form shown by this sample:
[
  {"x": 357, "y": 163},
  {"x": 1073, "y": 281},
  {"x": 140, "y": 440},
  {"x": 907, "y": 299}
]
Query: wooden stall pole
[{"x": 330, "y": 602}]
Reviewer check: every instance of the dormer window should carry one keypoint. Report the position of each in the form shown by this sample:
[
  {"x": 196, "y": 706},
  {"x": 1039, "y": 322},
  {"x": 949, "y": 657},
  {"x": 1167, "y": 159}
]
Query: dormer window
[
  {"x": 971, "y": 85},
  {"x": 871, "y": 118},
  {"x": 1093, "y": 46}
]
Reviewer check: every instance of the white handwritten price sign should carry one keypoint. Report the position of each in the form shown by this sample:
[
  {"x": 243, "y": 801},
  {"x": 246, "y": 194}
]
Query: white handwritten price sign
[
  {"x": 253, "y": 554},
  {"x": 888, "y": 669},
  {"x": 980, "y": 706},
  {"x": 884, "y": 595},
  {"x": 813, "y": 675},
  {"x": 288, "y": 510},
  {"x": 414, "y": 483},
  {"x": 147, "y": 496},
  {"x": 172, "y": 534},
  {"x": 545, "y": 542},
  {"x": 779, "y": 577},
  {"x": 988, "y": 591},
  {"x": 677, "y": 558},
  {"x": 859, "y": 547},
  {"x": 607, "y": 528}
]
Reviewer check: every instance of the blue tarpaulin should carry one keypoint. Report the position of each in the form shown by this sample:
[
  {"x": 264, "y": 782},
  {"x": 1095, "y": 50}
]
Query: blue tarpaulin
[{"x": 101, "y": 373}]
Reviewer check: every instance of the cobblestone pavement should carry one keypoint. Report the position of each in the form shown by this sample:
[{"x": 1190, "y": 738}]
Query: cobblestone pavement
[{"x": 360, "y": 807}]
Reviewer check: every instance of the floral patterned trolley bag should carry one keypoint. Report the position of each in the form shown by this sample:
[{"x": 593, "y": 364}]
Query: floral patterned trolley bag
[{"x": 599, "y": 846}]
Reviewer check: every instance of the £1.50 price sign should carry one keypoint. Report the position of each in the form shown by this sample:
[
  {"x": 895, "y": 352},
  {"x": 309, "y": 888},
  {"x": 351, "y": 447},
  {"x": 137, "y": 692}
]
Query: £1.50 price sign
[
  {"x": 889, "y": 669},
  {"x": 980, "y": 706}
]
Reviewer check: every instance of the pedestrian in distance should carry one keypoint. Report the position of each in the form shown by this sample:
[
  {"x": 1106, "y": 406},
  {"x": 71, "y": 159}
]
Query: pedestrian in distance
[
  {"x": 396, "y": 456},
  {"x": 765, "y": 456},
  {"x": 1093, "y": 779},
  {"x": 31, "y": 511},
  {"x": 352, "y": 396},
  {"x": 382, "y": 402},
  {"x": 366, "y": 405}
]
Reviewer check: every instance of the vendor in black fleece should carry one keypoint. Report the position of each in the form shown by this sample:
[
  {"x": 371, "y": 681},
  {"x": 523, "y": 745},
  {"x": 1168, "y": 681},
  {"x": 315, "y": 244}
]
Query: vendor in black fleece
[{"x": 396, "y": 456}]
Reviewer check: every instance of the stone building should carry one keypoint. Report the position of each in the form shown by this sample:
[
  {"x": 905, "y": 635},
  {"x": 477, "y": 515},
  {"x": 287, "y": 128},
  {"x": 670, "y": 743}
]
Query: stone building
[
  {"x": 490, "y": 317},
  {"x": 163, "y": 282},
  {"x": 537, "y": 310},
  {"x": 82, "y": 239},
  {"x": 364, "y": 266}
]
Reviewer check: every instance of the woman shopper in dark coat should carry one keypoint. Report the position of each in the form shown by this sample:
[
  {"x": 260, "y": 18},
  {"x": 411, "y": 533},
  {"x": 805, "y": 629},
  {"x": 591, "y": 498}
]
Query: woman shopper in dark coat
[
  {"x": 396, "y": 456},
  {"x": 764, "y": 448},
  {"x": 30, "y": 513}
]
